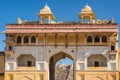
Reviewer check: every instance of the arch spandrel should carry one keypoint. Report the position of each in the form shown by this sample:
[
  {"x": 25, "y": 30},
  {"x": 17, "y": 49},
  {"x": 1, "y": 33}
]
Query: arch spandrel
[{"x": 59, "y": 55}]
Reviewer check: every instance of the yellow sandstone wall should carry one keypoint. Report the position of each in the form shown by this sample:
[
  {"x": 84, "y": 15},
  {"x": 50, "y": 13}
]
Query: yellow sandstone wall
[
  {"x": 100, "y": 75},
  {"x": 25, "y": 75},
  {"x": 1, "y": 63},
  {"x": 2, "y": 77},
  {"x": 2, "y": 66}
]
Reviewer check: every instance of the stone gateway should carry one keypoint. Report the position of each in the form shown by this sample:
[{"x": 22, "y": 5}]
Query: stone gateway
[{"x": 34, "y": 47}]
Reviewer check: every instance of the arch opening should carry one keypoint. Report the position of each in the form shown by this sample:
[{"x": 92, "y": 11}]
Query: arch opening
[
  {"x": 97, "y": 60},
  {"x": 97, "y": 39},
  {"x": 104, "y": 39},
  {"x": 33, "y": 39},
  {"x": 26, "y": 60},
  {"x": 89, "y": 39},
  {"x": 61, "y": 65},
  {"x": 26, "y": 39},
  {"x": 19, "y": 39}
]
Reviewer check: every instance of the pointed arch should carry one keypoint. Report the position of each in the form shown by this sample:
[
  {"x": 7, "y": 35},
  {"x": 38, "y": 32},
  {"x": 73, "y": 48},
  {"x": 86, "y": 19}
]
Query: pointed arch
[
  {"x": 71, "y": 39},
  {"x": 61, "y": 55},
  {"x": 33, "y": 39},
  {"x": 61, "y": 39},
  {"x": 97, "y": 39},
  {"x": 104, "y": 38},
  {"x": 52, "y": 61},
  {"x": 18, "y": 39},
  {"x": 26, "y": 39},
  {"x": 51, "y": 39},
  {"x": 89, "y": 39}
]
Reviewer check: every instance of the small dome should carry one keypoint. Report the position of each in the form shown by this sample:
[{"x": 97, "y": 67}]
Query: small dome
[
  {"x": 46, "y": 14},
  {"x": 45, "y": 10},
  {"x": 86, "y": 13},
  {"x": 87, "y": 8}
]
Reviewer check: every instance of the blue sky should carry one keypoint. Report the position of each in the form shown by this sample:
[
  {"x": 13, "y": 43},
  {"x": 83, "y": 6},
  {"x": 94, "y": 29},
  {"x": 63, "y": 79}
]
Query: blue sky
[{"x": 63, "y": 10}]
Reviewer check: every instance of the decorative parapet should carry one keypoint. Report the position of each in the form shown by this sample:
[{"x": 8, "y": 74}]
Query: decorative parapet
[
  {"x": 113, "y": 52},
  {"x": 9, "y": 40},
  {"x": 113, "y": 39}
]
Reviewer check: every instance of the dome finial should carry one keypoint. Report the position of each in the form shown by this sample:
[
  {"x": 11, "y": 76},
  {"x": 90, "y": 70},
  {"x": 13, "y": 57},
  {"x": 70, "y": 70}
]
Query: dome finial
[
  {"x": 87, "y": 4},
  {"x": 46, "y": 4}
]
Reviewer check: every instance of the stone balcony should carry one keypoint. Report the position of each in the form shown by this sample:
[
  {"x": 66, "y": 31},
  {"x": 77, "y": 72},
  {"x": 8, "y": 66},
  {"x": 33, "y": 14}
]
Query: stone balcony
[
  {"x": 9, "y": 53},
  {"x": 9, "y": 40}
]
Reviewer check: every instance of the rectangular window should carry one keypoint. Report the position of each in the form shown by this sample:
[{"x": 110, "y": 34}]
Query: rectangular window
[
  {"x": 10, "y": 35},
  {"x": 29, "y": 63},
  {"x": 10, "y": 48},
  {"x": 112, "y": 47},
  {"x": 96, "y": 64}
]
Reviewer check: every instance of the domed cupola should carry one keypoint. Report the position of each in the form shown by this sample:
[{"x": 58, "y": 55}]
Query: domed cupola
[
  {"x": 45, "y": 14},
  {"x": 86, "y": 14}
]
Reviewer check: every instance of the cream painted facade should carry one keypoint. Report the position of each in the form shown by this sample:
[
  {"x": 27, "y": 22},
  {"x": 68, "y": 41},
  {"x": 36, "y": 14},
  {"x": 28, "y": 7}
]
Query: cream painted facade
[{"x": 33, "y": 48}]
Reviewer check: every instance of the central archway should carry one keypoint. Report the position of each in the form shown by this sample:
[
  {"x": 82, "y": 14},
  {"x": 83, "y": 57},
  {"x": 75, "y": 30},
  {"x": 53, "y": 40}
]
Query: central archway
[{"x": 52, "y": 62}]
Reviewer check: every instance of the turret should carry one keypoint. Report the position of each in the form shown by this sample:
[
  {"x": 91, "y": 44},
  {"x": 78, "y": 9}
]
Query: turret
[
  {"x": 87, "y": 14},
  {"x": 45, "y": 14}
]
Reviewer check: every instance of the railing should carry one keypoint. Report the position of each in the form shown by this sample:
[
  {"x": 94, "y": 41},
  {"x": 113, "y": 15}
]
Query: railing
[
  {"x": 25, "y": 68},
  {"x": 9, "y": 53},
  {"x": 96, "y": 68}
]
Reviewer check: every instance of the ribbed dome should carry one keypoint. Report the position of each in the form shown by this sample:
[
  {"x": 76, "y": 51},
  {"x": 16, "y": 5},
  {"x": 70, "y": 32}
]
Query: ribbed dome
[
  {"x": 45, "y": 14},
  {"x": 45, "y": 10},
  {"x": 87, "y": 8},
  {"x": 86, "y": 13}
]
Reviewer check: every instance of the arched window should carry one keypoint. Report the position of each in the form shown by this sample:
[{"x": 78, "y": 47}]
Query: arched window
[
  {"x": 18, "y": 39},
  {"x": 26, "y": 40},
  {"x": 96, "y": 39},
  {"x": 33, "y": 39},
  {"x": 104, "y": 39},
  {"x": 89, "y": 39}
]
